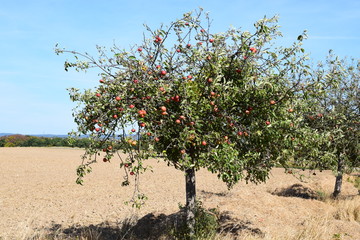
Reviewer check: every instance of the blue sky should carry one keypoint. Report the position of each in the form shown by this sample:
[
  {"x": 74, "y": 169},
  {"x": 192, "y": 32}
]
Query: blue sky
[{"x": 33, "y": 82}]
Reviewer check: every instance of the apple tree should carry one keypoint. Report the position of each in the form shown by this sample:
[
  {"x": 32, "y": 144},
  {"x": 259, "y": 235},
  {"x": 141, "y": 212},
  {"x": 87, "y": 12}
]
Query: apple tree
[
  {"x": 227, "y": 102},
  {"x": 334, "y": 113}
]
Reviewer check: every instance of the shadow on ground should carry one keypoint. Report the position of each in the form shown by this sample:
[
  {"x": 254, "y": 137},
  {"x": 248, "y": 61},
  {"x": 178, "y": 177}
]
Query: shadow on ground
[
  {"x": 297, "y": 190},
  {"x": 148, "y": 227}
]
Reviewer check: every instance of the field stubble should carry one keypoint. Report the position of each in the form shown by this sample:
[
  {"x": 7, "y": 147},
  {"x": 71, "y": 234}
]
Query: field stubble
[{"x": 39, "y": 197}]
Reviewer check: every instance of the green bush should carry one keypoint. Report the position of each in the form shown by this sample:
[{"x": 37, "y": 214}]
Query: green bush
[{"x": 206, "y": 224}]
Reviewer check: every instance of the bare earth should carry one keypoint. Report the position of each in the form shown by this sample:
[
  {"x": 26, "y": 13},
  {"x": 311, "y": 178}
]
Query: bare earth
[{"x": 38, "y": 190}]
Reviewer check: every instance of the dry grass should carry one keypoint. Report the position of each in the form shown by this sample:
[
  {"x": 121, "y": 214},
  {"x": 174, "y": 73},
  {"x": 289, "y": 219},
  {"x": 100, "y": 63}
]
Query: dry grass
[
  {"x": 347, "y": 209},
  {"x": 315, "y": 228},
  {"x": 40, "y": 201}
]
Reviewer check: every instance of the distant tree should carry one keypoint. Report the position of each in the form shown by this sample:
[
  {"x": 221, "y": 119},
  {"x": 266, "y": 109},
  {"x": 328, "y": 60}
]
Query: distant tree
[
  {"x": 29, "y": 142},
  {"x": 15, "y": 140},
  {"x": 334, "y": 113},
  {"x": 227, "y": 102},
  {"x": 2, "y": 141}
]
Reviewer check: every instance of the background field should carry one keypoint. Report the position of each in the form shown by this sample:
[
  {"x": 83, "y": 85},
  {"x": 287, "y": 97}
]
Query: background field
[{"x": 38, "y": 195}]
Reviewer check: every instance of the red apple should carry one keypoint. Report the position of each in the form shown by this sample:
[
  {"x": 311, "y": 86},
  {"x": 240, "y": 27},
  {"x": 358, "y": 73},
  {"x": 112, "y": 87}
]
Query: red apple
[
  {"x": 176, "y": 98},
  {"x": 98, "y": 95},
  {"x": 272, "y": 102},
  {"x": 131, "y": 106},
  {"x": 203, "y": 143},
  {"x": 163, "y": 108},
  {"x": 163, "y": 72},
  {"x": 209, "y": 80},
  {"x": 118, "y": 98},
  {"x": 267, "y": 122},
  {"x": 211, "y": 40},
  {"x": 142, "y": 113},
  {"x": 139, "y": 49},
  {"x": 177, "y": 121}
]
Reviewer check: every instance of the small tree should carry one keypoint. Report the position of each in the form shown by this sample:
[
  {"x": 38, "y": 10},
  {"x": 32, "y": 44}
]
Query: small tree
[
  {"x": 334, "y": 113},
  {"x": 227, "y": 102}
]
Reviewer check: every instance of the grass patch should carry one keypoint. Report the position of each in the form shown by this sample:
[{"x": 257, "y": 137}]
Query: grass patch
[
  {"x": 355, "y": 180},
  {"x": 347, "y": 209}
]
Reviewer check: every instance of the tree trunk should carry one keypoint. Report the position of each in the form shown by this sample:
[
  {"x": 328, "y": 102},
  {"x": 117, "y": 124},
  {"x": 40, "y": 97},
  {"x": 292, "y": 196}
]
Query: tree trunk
[
  {"x": 339, "y": 178},
  {"x": 190, "y": 200}
]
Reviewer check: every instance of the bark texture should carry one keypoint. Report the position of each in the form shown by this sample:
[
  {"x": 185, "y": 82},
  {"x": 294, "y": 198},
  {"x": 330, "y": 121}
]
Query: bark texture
[
  {"x": 339, "y": 178},
  {"x": 190, "y": 200}
]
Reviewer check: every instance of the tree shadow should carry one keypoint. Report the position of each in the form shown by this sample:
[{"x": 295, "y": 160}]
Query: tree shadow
[
  {"x": 230, "y": 226},
  {"x": 208, "y": 194},
  {"x": 297, "y": 190},
  {"x": 100, "y": 231},
  {"x": 148, "y": 227}
]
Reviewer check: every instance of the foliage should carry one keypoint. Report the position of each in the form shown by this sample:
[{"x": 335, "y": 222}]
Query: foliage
[
  {"x": 333, "y": 113},
  {"x": 224, "y": 101}
]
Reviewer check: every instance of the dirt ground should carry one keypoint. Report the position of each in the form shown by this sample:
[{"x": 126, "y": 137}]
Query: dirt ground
[{"x": 38, "y": 191}]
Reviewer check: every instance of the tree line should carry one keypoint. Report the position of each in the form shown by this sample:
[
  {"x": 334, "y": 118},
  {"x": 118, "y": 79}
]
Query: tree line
[{"x": 19, "y": 140}]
